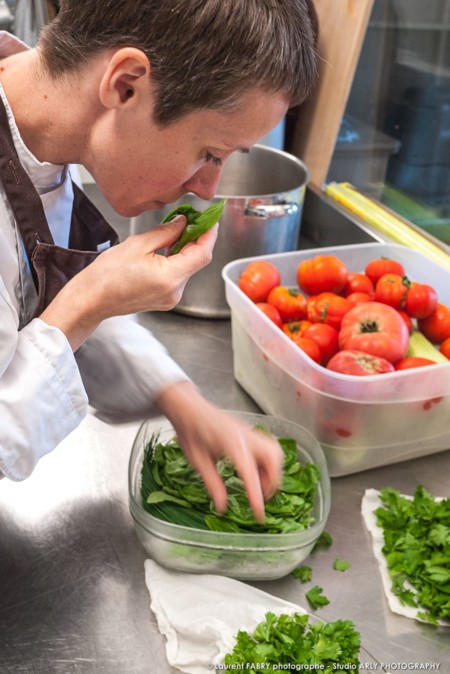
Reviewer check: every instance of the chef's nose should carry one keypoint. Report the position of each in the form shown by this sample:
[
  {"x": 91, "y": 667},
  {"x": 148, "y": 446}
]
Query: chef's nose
[{"x": 204, "y": 182}]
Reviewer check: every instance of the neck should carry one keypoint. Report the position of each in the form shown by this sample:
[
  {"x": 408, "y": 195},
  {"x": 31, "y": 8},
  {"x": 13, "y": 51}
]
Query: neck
[{"x": 51, "y": 115}]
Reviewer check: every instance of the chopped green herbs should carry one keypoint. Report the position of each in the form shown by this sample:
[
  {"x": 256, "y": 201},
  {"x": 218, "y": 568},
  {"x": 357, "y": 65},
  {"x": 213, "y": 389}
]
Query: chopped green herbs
[
  {"x": 324, "y": 541},
  {"x": 198, "y": 222},
  {"x": 417, "y": 550},
  {"x": 173, "y": 491},
  {"x": 302, "y": 573},
  {"x": 316, "y": 598},
  {"x": 341, "y": 565},
  {"x": 291, "y": 640}
]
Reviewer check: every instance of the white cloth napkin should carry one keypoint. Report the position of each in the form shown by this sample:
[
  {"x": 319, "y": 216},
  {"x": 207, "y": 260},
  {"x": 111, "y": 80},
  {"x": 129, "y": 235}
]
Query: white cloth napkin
[
  {"x": 200, "y": 614},
  {"x": 370, "y": 503}
]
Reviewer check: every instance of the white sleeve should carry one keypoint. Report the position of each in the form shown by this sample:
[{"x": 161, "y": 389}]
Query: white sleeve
[
  {"x": 42, "y": 398},
  {"x": 124, "y": 368}
]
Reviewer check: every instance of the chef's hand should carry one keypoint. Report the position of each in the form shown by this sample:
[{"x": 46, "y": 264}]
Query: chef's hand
[
  {"x": 206, "y": 434},
  {"x": 128, "y": 278}
]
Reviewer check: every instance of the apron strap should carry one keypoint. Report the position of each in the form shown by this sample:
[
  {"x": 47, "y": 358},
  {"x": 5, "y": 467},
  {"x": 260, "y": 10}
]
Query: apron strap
[
  {"x": 51, "y": 266},
  {"x": 89, "y": 230},
  {"x": 25, "y": 202}
]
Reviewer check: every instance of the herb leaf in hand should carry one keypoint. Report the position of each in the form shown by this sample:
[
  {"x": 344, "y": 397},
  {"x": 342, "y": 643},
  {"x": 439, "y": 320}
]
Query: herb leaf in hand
[{"x": 198, "y": 222}]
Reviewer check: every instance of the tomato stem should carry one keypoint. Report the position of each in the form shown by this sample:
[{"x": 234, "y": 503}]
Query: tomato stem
[{"x": 369, "y": 326}]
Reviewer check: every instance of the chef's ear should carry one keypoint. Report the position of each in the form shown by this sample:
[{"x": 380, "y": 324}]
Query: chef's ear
[{"x": 126, "y": 76}]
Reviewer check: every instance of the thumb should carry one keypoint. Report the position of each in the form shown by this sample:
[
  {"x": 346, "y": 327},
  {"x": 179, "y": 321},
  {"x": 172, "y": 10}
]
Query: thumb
[{"x": 165, "y": 234}]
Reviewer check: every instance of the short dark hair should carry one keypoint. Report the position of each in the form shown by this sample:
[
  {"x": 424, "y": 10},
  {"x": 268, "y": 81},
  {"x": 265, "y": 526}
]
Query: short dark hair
[{"x": 203, "y": 53}]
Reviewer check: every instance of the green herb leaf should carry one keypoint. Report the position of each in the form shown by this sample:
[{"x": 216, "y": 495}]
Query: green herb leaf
[
  {"x": 291, "y": 640},
  {"x": 198, "y": 222},
  {"x": 324, "y": 541},
  {"x": 316, "y": 598},
  {"x": 341, "y": 565},
  {"x": 161, "y": 496},
  {"x": 302, "y": 573},
  {"x": 416, "y": 546},
  {"x": 173, "y": 491}
]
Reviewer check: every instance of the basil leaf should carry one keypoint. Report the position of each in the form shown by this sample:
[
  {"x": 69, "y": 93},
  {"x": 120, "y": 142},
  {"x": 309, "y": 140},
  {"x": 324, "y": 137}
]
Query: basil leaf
[{"x": 198, "y": 222}]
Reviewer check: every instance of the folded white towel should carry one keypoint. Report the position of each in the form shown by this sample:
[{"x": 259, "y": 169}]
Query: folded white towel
[{"x": 200, "y": 614}]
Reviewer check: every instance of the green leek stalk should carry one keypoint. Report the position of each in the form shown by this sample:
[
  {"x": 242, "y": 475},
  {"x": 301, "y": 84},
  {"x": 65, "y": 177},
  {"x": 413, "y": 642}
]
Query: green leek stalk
[{"x": 420, "y": 347}]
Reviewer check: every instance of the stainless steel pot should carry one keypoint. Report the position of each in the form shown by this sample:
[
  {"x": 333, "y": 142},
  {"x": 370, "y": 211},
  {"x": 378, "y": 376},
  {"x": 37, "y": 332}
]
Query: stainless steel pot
[{"x": 265, "y": 192}]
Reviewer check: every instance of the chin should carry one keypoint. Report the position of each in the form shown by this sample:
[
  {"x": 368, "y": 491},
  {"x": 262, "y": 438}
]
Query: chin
[
  {"x": 134, "y": 211},
  {"x": 128, "y": 211},
  {"x": 124, "y": 209}
]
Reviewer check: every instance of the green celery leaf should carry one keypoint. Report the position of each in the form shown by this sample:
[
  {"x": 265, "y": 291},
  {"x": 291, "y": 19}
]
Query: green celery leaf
[
  {"x": 341, "y": 565},
  {"x": 302, "y": 573},
  {"x": 316, "y": 598}
]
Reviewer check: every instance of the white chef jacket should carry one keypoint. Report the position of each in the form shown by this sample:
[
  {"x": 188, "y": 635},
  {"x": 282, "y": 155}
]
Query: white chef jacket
[{"x": 45, "y": 389}]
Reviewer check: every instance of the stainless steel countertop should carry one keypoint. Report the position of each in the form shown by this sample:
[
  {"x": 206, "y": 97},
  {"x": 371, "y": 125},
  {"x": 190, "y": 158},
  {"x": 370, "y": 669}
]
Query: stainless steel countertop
[{"x": 73, "y": 596}]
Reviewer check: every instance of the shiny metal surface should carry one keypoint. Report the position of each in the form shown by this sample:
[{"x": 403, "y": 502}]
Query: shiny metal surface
[
  {"x": 265, "y": 192},
  {"x": 73, "y": 596}
]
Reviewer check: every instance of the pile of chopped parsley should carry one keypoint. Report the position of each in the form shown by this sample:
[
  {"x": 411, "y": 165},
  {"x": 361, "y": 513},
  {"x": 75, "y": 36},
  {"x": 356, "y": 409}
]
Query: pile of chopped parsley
[
  {"x": 417, "y": 550},
  {"x": 292, "y": 640}
]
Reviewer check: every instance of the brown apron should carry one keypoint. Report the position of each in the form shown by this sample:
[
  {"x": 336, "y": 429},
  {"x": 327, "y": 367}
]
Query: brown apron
[{"x": 51, "y": 266}]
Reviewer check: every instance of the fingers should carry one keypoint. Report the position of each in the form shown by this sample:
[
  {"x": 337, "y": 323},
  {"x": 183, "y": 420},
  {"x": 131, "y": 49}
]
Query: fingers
[
  {"x": 270, "y": 460},
  {"x": 248, "y": 472},
  {"x": 164, "y": 235},
  {"x": 207, "y": 434},
  {"x": 213, "y": 482},
  {"x": 199, "y": 252},
  {"x": 259, "y": 464}
]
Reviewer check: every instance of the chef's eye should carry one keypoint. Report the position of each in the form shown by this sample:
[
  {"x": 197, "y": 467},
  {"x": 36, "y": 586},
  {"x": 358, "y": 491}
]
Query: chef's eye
[{"x": 211, "y": 158}]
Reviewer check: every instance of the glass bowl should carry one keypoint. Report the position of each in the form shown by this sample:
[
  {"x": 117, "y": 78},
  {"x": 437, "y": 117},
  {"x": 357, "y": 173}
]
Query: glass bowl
[{"x": 245, "y": 556}]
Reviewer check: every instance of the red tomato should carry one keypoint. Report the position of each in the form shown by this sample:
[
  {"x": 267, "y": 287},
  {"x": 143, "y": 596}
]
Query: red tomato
[
  {"x": 378, "y": 268},
  {"x": 258, "y": 279},
  {"x": 322, "y": 273},
  {"x": 326, "y": 338},
  {"x": 376, "y": 329},
  {"x": 309, "y": 347},
  {"x": 392, "y": 289},
  {"x": 327, "y": 308},
  {"x": 358, "y": 283},
  {"x": 358, "y": 363},
  {"x": 271, "y": 312},
  {"x": 407, "y": 319},
  {"x": 445, "y": 347},
  {"x": 289, "y": 301},
  {"x": 359, "y": 298},
  {"x": 436, "y": 326},
  {"x": 421, "y": 300},
  {"x": 413, "y": 361},
  {"x": 295, "y": 328},
  {"x": 310, "y": 302}
]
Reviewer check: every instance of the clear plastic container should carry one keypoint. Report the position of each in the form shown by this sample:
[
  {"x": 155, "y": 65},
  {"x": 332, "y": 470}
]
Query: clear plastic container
[
  {"x": 245, "y": 556},
  {"x": 360, "y": 422}
]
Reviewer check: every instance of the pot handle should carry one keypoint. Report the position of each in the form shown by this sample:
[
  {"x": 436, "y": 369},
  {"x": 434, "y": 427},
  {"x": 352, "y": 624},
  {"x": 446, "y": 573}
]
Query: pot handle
[{"x": 267, "y": 211}]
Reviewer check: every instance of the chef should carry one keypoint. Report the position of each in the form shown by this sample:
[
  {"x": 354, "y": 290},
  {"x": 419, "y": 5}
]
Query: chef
[{"x": 151, "y": 98}]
